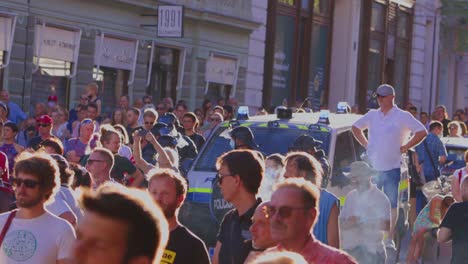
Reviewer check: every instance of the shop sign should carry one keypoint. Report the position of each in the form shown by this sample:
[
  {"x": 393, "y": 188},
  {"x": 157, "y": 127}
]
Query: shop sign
[
  {"x": 115, "y": 53},
  {"x": 171, "y": 21},
  {"x": 221, "y": 70},
  {"x": 5, "y": 32},
  {"x": 56, "y": 43}
]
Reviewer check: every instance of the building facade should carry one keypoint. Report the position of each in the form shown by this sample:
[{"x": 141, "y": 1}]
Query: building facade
[
  {"x": 58, "y": 46},
  {"x": 263, "y": 53}
]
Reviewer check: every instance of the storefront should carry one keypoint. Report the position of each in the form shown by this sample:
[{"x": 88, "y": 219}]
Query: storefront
[
  {"x": 7, "y": 32},
  {"x": 165, "y": 72},
  {"x": 298, "y": 52},
  {"x": 385, "y": 50},
  {"x": 114, "y": 68},
  {"x": 56, "y": 49},
  {"x": 62, "y": 45}
]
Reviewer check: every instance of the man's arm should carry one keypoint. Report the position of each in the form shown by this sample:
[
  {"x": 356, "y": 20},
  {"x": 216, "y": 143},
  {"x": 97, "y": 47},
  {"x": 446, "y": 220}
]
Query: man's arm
[
  {"x": 359, "y": 135},
  {"x": 333, "y": 230},
  {"x": 215, "y": 259},
  {"x": 444, "y": 235},
  {"x": 138, "y": 178},
  {"x": 415, "y": 140}
]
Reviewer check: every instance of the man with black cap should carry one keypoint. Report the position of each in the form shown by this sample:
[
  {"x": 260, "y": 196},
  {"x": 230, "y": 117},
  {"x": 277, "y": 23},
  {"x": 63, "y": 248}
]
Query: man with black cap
[
  {"x": 389, "y": 129},
  {"x": 308, "y": 144},
  {"x": 362, "y": 233},
  {"x": 242, "y": 138}
]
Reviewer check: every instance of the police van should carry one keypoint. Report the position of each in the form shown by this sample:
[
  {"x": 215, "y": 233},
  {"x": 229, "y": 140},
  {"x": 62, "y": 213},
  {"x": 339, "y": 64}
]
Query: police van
[{"x": 204, "y": 207}]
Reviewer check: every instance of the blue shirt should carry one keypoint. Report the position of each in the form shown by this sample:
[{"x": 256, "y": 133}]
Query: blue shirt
[
  {"x": 436, "y": 149},
  {"x": 16, "y": 114},
  {"x": 326, "y": 202}
]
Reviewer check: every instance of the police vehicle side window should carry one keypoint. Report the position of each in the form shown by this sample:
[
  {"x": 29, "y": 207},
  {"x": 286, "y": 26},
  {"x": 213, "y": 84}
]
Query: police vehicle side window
[
  {"x": 344, "y": 153},
  {"x": 270, "y": 140}
]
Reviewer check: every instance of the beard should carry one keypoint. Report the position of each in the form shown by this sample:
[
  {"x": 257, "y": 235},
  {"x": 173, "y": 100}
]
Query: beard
[
  {"x": 28, "y": 201},
  {"x": 169, "y": 210}
]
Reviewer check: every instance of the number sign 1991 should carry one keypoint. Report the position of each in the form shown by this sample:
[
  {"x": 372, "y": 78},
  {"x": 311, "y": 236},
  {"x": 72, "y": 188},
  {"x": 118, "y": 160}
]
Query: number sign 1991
[{"x": 170, "y": 21}]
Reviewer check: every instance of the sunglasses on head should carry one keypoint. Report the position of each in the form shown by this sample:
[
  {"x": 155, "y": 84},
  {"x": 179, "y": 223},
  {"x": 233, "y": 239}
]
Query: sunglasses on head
[
  {"x": 282, "y": 211},
  {"x": 43, "y": 125},
  {"x": 16, "y": 182}
]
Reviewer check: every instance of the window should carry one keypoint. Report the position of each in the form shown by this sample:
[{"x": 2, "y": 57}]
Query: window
[
  {"x": 112, "y": 83},
  {"x": 287, "y": 2},
  {"x": 2, "y": 70},
  {"x": 322, "y": 7},
  {"x": 51, "y": 78},
  {"x": 317, "y": 68},
  {"x": 164, "y": 74},
  {"x": 283, "y": 59},
  {"x": 403, "y": 26},
  {"x": 378, "y": 17},
  {"x": 297, "y": 52}
]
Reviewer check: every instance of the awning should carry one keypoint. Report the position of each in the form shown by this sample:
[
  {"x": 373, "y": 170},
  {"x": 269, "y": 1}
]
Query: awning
[
  {"x": 58, "y": 43},
  {"x": 7, "y": 33},
  {"x": 115, "y": 52},
  {"x": 222, "y": 69}
]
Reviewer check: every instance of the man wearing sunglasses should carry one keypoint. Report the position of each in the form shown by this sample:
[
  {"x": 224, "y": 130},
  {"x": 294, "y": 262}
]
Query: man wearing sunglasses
[
  {"x": 240, "y": 173},
  {"x": 99, "y": 165},
  {"x": 44, "y": 128},
  {"x": 35, "y": 235},
  {"x": 389, "y": 129},
  {"x": 292, "y": 213}
]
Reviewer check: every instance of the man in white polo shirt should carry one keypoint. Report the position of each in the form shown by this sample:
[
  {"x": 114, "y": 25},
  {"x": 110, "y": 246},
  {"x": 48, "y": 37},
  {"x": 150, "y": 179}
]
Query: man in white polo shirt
[{"x": 389, "y": 136}]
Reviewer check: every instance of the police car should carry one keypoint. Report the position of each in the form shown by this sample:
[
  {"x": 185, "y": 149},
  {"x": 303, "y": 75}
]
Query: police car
[{"x": 204, "y": 207}]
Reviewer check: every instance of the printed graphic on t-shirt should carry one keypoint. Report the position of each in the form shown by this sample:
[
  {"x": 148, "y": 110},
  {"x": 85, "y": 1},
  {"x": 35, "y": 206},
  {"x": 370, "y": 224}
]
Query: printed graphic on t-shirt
[
  {"x": 168, "y": 257},
  {"x": 19, "y": 245}
]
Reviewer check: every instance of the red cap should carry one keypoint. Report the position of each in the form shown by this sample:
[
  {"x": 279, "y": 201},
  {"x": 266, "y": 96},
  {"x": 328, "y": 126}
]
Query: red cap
[
  {"x": 44, "y": 119},
  {"x": 52, "y": 98}
]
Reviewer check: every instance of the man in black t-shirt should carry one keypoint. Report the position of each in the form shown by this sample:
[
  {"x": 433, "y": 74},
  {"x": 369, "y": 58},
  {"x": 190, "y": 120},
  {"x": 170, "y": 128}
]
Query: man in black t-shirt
[
  {"x": 454, "y": 227},
  {"x": 240, "y": 173},
  {"x": 168, "y": 189},
  {"x": 190, "y": 122}
]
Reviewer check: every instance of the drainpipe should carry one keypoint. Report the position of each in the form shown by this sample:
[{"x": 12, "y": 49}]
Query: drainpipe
[{"x": 25, "y": 56}]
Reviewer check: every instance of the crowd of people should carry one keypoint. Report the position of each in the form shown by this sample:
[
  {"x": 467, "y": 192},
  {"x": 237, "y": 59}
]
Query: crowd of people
[{"x": 82, "y": 186}]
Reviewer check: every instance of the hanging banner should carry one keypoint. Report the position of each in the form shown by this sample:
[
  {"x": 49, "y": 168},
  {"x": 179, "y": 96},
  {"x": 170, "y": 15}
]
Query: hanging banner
[
  {"x": 115, "y": 53},
  {"x": 56, "y": 43},
  {"x": 5, "y": 32},
  {"x": 221, "y": 70}
]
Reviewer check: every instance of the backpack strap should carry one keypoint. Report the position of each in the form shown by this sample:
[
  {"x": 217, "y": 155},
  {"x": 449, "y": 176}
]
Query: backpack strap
[
  {"x": 460, "y": 175},
  {"x": 7, "y": 225}
]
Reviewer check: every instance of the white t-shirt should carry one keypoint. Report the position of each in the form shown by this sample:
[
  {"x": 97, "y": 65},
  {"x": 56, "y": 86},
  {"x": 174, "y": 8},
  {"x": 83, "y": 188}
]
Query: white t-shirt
[
  {"x": 387, "y": 133},
  {"x": 67, "y": 195},
  {"x": 58, "y": 206},
  {"x": 464, "y": 174},
  {"x": 371, "y": 206},
  {"x": 44, "y": 239}
]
